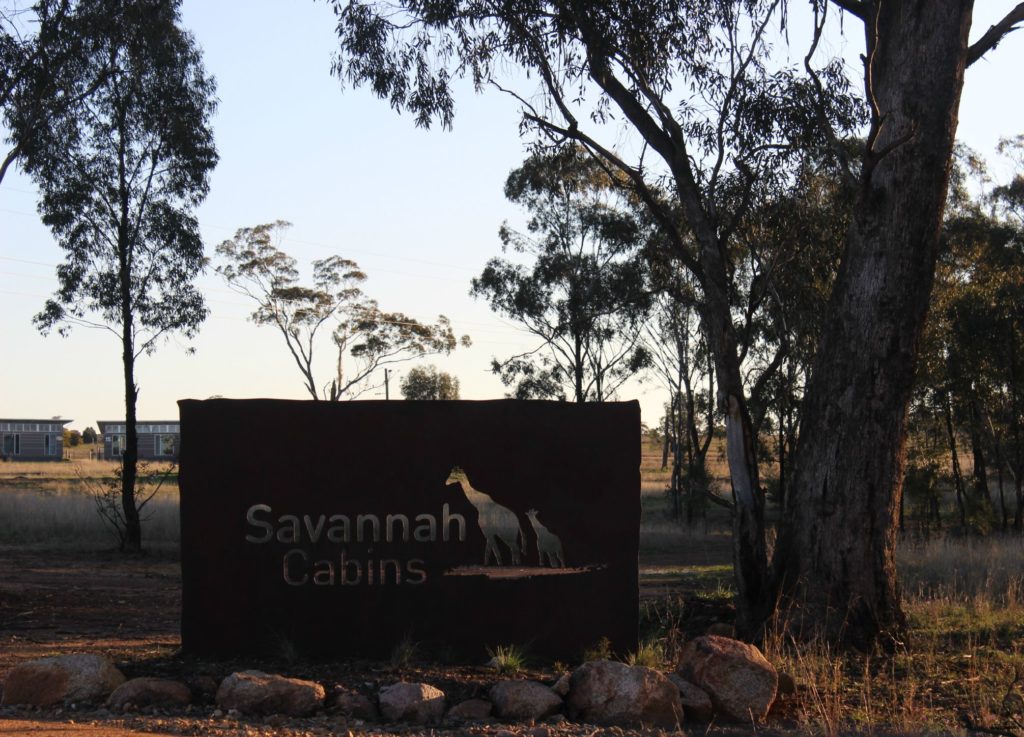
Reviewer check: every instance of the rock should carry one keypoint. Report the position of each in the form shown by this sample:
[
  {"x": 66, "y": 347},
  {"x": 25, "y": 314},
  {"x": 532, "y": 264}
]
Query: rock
[
  {"x": 606, "y": 692},
  {"x": 61, "y": 678},
  {"x": 696, "y": 702},
  {"x": 524, "y": 701},
  {"x": 411, "y": 702},
  {"x": 255, "y": 692},
  {"x": 737, "y": 677},
  {"x": 204, "y": 688},
  {"x": 561, "y": 686},
  {"x": 473, "y": 710},
  {"x": 150, "y": 692},
  {"x": 355, "y": 705},
  {"x": 787, "y": 686}
]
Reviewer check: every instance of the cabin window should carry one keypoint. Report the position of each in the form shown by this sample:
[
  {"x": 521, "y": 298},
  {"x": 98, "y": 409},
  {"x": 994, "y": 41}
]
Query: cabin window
[
  {"x": 165, "y": 445},
  {"x": 117, "y": 445},
  {"x": 12, "y": 444}
]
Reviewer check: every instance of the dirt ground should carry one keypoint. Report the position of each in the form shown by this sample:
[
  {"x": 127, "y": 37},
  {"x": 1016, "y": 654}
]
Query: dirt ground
[{"x": 53, "y": 603}]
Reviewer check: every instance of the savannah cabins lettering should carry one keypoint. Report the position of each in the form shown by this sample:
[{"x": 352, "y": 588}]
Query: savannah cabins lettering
[{"x": 298, "y": 569}]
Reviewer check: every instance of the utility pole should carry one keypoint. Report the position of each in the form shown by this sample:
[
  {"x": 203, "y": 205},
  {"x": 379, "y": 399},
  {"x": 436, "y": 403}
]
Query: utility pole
[{"x": 387, "y": 376}]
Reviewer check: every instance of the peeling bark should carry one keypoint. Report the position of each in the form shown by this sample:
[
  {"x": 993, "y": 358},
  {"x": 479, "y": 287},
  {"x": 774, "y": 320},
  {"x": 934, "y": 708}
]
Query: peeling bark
[{"x": 835, "y": 562}]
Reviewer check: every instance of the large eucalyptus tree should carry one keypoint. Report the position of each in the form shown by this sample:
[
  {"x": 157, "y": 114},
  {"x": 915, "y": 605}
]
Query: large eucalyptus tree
[{"x": 721, "y": 123}]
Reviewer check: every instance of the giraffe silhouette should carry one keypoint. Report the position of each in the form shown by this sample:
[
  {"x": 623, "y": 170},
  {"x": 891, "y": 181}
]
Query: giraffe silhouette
[
  {"x": 496, "y": 522},
  {"x": 548, "y": 543}
]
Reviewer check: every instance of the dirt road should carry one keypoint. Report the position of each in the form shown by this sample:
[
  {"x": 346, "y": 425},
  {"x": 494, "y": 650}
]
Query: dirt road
[{"x": 25, "y": 728}]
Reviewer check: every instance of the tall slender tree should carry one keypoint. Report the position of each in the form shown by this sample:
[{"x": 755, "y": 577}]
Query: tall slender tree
[{"x": 120, "y": 172}]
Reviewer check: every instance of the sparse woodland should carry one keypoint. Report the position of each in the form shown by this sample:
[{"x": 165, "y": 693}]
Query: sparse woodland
[{"x": 830, "y": 290}]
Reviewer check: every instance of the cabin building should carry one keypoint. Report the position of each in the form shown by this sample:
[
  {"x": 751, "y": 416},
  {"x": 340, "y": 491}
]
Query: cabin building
[
  {"x": 158, "y": 440},
  {"x": 32, "y": 440}
]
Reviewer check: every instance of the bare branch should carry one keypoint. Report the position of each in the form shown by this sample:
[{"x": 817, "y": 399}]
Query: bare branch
[
  {"x": 995, "y": 34},
  {"x": 823, "y": 121}
]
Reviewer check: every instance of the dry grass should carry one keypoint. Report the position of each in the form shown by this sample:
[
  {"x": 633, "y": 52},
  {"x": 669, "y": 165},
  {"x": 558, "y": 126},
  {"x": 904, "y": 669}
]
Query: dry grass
[
  {"x": 56, "y": 476},
  {"x": 987, "y": 569},
  {"x": 70, "y": 521},
  {"x": 942, "y": 682},
  {"x": 963, "y": 662},
  {"x": 964, "y": 599},
  {"x": 52, "y": 505}
]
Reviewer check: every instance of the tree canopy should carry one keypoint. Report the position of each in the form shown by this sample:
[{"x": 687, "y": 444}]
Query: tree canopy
[
  {"x": 47, "y": 66},
  {"x": 584, "y": 295},
  {"x": 426, "y": 382},
  {"x": 365, "y": 338}
]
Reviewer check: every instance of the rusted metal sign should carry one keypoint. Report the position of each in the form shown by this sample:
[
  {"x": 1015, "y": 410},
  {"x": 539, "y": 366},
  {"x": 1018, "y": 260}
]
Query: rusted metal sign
[{"x": 331, "y": 528}]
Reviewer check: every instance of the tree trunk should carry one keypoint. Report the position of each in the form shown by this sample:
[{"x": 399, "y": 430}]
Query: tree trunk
[
  {"x": 750, "y": 559},
  {"x": 664, "y": 446},
  {"x": 578, "y": 369},
  {"x": 675, "y": 485},
  {"x": 129, "y": 460},
  {"x": 1018, "y": 515},
  {"x": 835, "y": 559},
  {"x": 902, "y": 522},
  {"x": 958, "y": 477},
  {"x": 1002, "y": 495},
  {"x": 1017, "y": 465},
  {"x": 980, "y": 471},
  {"x": 132, "y": 541}
]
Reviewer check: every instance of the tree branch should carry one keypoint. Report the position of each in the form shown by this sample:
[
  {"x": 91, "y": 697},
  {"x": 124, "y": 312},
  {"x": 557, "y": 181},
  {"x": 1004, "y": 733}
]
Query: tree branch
[
  {"x": 995, "y": 34},
  {"x": 9, "y": 159},
  {"x": 823, "y": 121},
  {"x": 640, "y": 186}
]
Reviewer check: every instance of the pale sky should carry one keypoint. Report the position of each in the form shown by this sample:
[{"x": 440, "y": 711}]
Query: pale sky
[{"x": 418, "y": 210}]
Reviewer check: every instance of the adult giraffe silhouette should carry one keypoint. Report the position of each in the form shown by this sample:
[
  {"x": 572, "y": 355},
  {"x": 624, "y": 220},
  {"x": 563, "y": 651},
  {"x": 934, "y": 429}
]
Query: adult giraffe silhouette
[{"x": 496, "y": 522}]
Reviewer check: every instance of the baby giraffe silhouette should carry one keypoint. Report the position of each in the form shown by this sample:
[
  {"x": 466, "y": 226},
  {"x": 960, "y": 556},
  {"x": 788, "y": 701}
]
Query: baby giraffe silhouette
[
  {"x": 496, "y": 522},
  {"x": 548, "y": 543}
]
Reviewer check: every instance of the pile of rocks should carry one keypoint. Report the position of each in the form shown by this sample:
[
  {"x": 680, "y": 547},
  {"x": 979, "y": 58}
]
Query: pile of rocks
[{"x": 717, "y": 678}]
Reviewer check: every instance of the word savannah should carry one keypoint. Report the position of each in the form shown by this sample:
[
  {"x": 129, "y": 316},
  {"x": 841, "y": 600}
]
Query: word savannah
[{"x": 338, "y": 528}]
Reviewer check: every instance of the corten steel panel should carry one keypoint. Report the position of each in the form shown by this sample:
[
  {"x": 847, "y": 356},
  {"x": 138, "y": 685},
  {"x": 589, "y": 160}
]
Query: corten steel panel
[{"x": 575, "y": 466}]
